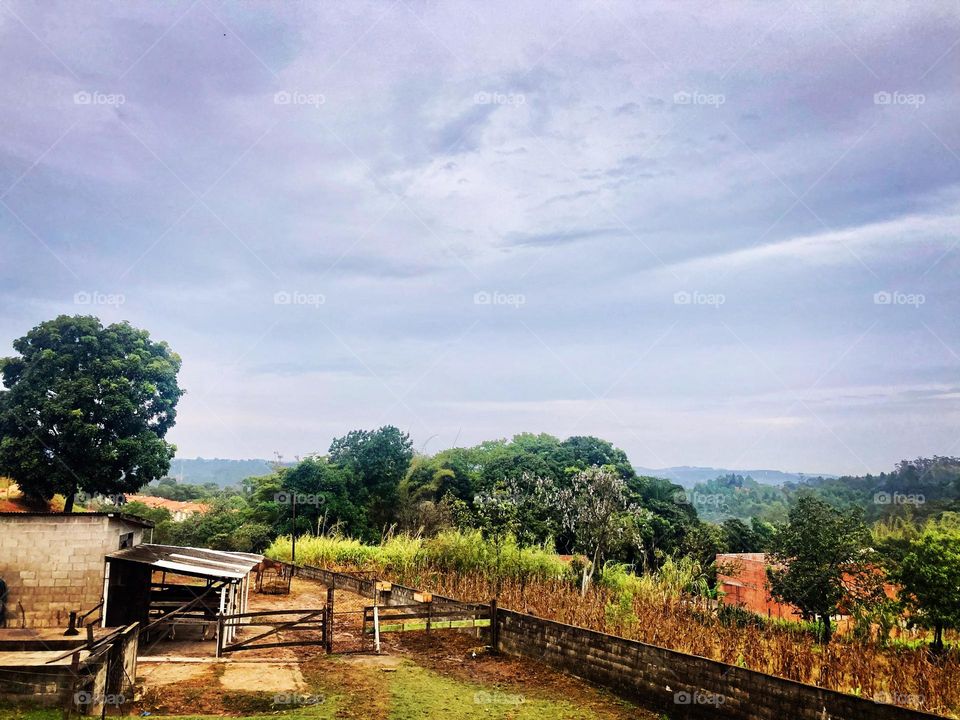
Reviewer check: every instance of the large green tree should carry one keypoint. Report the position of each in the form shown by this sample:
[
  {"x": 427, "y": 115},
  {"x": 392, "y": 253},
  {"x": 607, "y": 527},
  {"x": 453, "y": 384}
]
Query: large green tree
[
  {"x": 929, "y": 576},
  {"x": 379, "y": 459},
  {"x": 816, "y": 557},
  {"x": 86, "y": 409}
]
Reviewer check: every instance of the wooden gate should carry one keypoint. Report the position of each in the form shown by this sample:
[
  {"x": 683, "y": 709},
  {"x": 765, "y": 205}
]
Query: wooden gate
[
  {"x": 426, "y": 616},
  {"x": 315, "y": 623}
]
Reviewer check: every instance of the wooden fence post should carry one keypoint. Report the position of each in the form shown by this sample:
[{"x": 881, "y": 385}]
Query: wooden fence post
[
  {"x": 328, "y": 621},
  {"x": 429, "y": 614},
  {"x": 494, "y": 630}
]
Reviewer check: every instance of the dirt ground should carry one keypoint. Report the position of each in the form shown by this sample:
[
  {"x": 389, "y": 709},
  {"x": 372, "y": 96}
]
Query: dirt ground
[{"x": 182, "y": 677}]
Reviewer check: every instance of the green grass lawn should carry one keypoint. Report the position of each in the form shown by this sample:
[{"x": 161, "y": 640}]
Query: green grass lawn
[
  {"x": 419, "y": 693},
  {"x": 404, "y": 692}
]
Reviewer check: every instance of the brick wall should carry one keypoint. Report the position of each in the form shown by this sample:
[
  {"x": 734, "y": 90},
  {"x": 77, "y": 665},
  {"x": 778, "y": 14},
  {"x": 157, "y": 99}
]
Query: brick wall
[
  {"x": 745, "y": 584},
  {"x": 53, "y": 564}
]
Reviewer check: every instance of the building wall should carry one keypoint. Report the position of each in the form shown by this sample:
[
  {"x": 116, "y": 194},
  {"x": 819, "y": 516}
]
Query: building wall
[
  {"x": 53, "y": 564},
  {"x": 746, "y": 585}
]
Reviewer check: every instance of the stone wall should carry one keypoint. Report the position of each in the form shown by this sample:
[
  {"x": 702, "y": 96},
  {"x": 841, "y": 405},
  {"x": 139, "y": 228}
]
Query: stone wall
[
  {"x": 53, "y": 564},
  {"x": 678, "y": 684}
]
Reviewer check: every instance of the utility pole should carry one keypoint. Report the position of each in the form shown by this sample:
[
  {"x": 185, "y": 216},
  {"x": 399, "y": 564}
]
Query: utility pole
[{"x": 293, "y": 534}]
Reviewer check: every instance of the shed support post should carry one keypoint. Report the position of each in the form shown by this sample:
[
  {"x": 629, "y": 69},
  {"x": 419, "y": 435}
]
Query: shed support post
[
  {"x": 106, "y": 593},
  {"x": 220, "y": 635},
  {"x": 328, "y": 621}
]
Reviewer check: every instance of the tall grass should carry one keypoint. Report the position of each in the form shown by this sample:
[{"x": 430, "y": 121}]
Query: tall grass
[{"x": 410, "y": 556}]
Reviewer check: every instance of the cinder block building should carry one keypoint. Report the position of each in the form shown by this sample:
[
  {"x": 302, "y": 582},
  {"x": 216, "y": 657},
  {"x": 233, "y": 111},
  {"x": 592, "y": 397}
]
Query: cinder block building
[{"x": 53, "y": 563}]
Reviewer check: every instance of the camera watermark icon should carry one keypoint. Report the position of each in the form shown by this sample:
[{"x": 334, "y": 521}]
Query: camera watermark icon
[
  {"x": 297, "y": 699},
  {"x": 514, "y": 300},
  {"x": 288, "y": 498},
  {"x": 698, "y": 697},
  {"x": 895, "y": 297},
  {"x": 685, "y": 97},
  {"x": 499, "y": 98},
  {"x": 287, "y": 297},
  {"x": 295, "y": 97},
  {"x": 898, "y": 498},
  {"x": 913, "y": 100},
  {"x": 684, "y": 297},
  {"x": 96, "y": 297},
  {"x": 95, "y": 97},
  {"x": 482, "y": 697},
  {"x": 84, "y": 698},
  {"x": 699, "y": 499}
]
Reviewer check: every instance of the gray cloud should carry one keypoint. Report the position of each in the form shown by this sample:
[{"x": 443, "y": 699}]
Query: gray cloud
[{"x": 618, "y": 160}]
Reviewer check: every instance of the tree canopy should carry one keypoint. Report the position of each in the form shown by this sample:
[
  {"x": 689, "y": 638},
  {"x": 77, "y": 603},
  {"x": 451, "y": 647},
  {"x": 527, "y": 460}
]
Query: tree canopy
[
  {"x": 815, "y": 556},
  {"x": 86, "y": 407},
  {"x": 929, "y": 576}
]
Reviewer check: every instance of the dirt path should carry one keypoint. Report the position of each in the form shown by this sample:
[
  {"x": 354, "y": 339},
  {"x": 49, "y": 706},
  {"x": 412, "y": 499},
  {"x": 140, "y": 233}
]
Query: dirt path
[{"x": 417, "y": 675}]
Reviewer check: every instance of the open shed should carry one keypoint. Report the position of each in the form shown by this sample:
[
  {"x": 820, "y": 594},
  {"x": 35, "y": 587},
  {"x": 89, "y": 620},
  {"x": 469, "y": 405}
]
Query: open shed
[{"x": 137, "y": 587}]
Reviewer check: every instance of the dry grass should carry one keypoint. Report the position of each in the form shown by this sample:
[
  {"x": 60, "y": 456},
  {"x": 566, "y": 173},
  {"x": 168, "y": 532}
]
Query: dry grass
[{"x": 903, "y": 676}]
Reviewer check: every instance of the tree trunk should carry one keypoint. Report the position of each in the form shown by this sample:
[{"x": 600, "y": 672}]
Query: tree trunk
[
  {"x": 827, "y": 629},
  {"x": 938, "y": 637},
  {"x": 587, "y": 579},
  {"x": 68, "y": 503}
]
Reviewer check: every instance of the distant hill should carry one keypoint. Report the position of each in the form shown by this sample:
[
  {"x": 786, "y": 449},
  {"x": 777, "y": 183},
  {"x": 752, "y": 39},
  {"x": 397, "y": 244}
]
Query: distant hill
[
  {"x": 921, "y": 488},
  {"x": 223, "y": 472},
  {"x": 689, "y": 477}
]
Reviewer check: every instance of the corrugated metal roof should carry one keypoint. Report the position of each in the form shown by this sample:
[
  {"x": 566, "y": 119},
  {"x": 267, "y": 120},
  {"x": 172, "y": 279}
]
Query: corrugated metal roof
[{"x": 198, "y": 562}]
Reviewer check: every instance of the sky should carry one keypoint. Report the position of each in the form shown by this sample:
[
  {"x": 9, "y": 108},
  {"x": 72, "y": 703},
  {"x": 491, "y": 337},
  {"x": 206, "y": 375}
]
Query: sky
[{"x": 719, "y": 235}]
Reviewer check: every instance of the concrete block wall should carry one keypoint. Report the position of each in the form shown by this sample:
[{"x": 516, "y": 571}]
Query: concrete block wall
[
  {"x": 49, "y": 686},
  {"x": 678, "y": 684},
  {"x": 398, "y": 595},
  {"x": 104, "y": 678},
  {"x": 53, "y": 564}
]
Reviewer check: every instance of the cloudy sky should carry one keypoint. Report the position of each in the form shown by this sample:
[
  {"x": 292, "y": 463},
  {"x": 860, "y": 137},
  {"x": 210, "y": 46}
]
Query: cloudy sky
[{"x": 712, "y": 234}]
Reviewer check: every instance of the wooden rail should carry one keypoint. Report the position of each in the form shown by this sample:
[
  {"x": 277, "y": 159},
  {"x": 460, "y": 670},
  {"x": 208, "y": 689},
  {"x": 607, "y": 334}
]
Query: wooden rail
[
  {"x": 306, "y": 620},
  {"x": 425, "y": 616}
]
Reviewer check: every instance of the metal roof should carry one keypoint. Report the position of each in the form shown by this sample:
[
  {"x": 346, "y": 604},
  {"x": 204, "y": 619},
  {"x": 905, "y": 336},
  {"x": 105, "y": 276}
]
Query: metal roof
[
  {"x": 198, "y": 562},
  {"x": 133, "y": 519}
]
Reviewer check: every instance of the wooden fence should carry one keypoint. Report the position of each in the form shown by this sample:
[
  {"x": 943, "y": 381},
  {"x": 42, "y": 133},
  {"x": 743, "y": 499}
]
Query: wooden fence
[{"x": 426, "y": 616}]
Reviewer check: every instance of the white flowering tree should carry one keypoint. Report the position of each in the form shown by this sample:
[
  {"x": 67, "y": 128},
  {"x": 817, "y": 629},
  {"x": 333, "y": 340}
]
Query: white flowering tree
[{"x": 592, "y": 505}]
